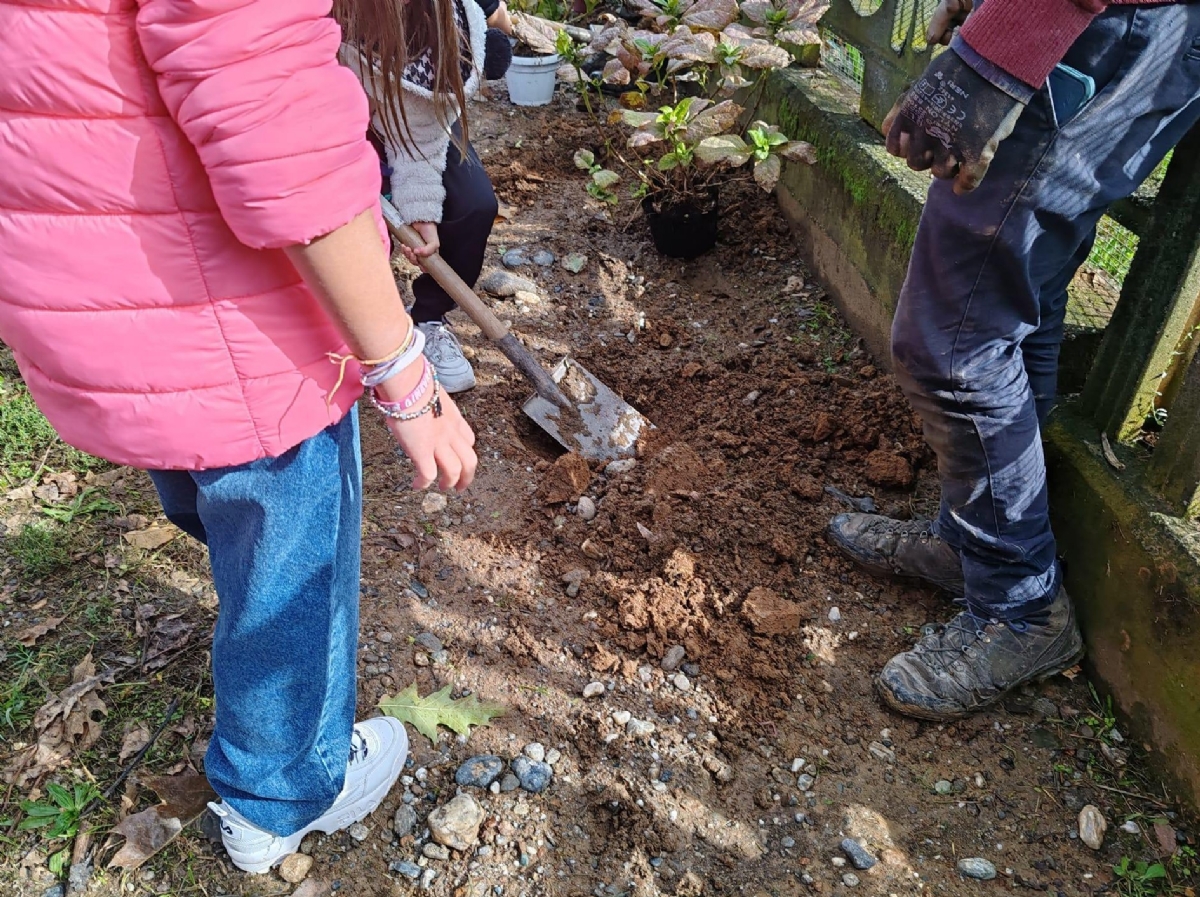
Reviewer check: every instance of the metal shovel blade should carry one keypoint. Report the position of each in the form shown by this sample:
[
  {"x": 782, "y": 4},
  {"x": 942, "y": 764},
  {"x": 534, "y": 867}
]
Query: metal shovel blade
[{"x": 601, "y": 426}]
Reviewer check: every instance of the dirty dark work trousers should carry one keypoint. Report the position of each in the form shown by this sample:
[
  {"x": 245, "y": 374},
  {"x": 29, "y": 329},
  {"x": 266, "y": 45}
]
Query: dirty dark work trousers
[
  {"x": 979, "y": 323},
  {"x": 467, "y": 219}
]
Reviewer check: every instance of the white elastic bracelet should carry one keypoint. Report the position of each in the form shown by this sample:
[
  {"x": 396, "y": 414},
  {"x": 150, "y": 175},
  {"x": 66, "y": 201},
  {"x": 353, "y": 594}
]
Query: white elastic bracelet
[{"x": 387, "y": 371}]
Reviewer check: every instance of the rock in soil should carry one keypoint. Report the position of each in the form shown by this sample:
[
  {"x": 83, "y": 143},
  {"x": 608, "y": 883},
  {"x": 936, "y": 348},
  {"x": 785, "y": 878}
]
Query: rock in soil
[
  {"x": 479, "y": 772},
  {"x": 534, "y": 776},
  {"x": 505, "y": 284},
  {"x": 673, "y": 658},
  {"x": 429, "y": 642},
  {"x": 509, "y": 783},
  {"x": 294, "y": 869},
  {"x": 593, "y": 690},
  {"x": 1092, "y": 826},
  {"x": 769, "y": 614},
  {"x": 889, "y": 470},
  {"x": 359, "y": 832},
  {"x": 850, "y": 880},
  {"x": 977, "y": 867},
  {"x": 435, "y": 851},
  {"x": 857, "y": 854},
  {"x": 586, "y": 508},
  {"x": 404, "y": 821},
  {"x": 457, "y": 823},
  {"x": 405, "y": 868},
  {"x": 535, "y": 751},
  {"x": 566, "y": 480}
]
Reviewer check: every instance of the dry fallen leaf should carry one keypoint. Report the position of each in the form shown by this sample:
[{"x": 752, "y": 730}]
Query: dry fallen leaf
[
  {"x": 1164, "y": 833},
  {"x": 146, "y": 833},
  {"x": 30, "y": 636},
  {"x": 152, "y": 537},
  {"x": 135, "y": 739},
  {"x": 1109, "y": 455},
  {"x": 70, "y": 721},
  {"x": 169, "y": 636}
]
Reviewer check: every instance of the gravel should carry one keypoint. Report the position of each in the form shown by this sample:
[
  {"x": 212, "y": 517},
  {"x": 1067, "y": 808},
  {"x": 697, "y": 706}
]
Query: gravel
[
  {"x": 479, "y": 772},
  {"x": 429, "y": 642},
  {"x": 405, "y": 868},
  {"x": 534, "y": 776},
  {"x": 535, "y": 751},
  {"x": 404, "y": 821},
  {"x": 977, "y": 867},
  {"x": 593, "y": 689},
  {"x": 673, "y": 658},
  {"x": 857, "y": 854}
]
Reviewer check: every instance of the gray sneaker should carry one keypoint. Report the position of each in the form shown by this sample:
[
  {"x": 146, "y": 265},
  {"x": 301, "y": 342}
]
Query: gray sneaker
[
  {"x": 907, "y": 548},
  {"x": 445, "y": 353},
  {"x": 971, "y": 663}
]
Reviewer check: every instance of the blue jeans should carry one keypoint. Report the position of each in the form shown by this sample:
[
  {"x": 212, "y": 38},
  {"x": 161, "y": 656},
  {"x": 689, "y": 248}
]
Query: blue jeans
[
  {"x": 284, "y": 538},
  {"x": 980, "y": 318}
]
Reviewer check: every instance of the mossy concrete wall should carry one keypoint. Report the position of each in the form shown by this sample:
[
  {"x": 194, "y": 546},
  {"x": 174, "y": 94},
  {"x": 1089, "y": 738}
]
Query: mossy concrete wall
[{"x": 1132, "y": 570}]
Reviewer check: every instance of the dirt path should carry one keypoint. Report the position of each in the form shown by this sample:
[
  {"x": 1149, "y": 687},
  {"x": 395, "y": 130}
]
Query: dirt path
[{"x": 740, "y": 766}]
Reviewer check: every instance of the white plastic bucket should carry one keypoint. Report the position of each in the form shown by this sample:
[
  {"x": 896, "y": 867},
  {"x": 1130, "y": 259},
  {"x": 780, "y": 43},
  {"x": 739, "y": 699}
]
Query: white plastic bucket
[{"x": 531, "y": 80}]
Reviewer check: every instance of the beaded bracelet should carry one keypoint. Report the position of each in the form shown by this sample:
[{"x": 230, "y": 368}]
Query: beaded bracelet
[{"x": 434, "y": 404}]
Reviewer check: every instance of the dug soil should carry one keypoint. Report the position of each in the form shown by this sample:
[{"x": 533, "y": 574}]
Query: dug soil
[{"x": 736, "y": 738}]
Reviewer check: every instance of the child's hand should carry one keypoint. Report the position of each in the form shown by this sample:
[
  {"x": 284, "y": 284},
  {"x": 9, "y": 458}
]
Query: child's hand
[
  {"x": 440, "y": 448},
  {"x": 428, "y": 231},
  {"x": 501, "y": 19}
]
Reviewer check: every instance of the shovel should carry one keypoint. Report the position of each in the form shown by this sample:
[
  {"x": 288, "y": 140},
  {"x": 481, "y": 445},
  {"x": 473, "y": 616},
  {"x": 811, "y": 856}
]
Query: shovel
[{"x": 577, "y": 410}]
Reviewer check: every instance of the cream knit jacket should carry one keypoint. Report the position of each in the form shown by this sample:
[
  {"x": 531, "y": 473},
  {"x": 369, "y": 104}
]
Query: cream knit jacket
[{"x": 417, "y": 191}]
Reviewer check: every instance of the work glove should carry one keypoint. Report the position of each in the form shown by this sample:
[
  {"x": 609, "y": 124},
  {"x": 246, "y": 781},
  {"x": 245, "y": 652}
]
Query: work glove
[
  {"x": 948, "y": 16},
  {"x": 497, "y": 54},
  {"x": 951, "y": 121}
]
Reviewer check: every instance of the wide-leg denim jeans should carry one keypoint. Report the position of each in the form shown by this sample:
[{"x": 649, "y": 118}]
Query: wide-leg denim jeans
[
  {"x": 284, "y": 539},
  {"x": 980, "y": 318}
]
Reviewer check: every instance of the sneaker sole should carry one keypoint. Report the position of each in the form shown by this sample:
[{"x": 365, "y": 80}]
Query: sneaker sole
[
  {"x": 358, "y": 811},
  {"x": 886, "y": 571},
  {"x": 915, "y": 712}
]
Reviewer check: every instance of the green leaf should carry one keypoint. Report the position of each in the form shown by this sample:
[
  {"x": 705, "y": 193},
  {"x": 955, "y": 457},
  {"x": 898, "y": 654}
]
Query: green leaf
[
  {"x": 605, "y": 178},
  {"x": 584, "y": 159},
  {"x": 668, "y": 162},
  {"x": 60, "y": 795},
  {"x": 439, "y": 709},
  {"x": 638, "y": 119},
  {"x": 1155, "y": 871},
  {"x": 724, "y": 149},
  {"x": 58, "y": 861}
]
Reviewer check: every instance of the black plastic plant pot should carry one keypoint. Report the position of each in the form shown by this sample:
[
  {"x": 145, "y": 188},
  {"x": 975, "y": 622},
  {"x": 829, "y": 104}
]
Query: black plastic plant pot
[{"x": 683, "y": 229}]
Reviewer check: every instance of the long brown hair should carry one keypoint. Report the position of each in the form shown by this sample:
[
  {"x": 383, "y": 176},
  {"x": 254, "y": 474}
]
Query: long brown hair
[{"x": 392, "y": 33}]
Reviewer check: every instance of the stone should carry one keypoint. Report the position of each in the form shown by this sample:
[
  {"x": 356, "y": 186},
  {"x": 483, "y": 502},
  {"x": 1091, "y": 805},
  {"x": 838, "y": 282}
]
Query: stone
[
  {"x": 404, "y": 821},
  {"x": 456, "y": 824},
  {"x": 887, "y": 469},
  {"x": 479, "y": 772},
  {"x": 805, "y": 782},
  {"x": 881, "y": 752},
  {"x": 533, "y": 775},
  {"x": 575, "y": 262},
  {"x": 850, "y": 880},
  {"x": 543, "y": 258},
  {"x": 525, "y": 297},
  {"x": 1131, "y": 828},
  {"x": 359, "y": 832},
  {"x": 622, "y": 717},
  {"x": 509, "y": 783},
  {"x": 433, "y": 503},
  {"x": 405, "y": 868},
  {"x": 505, "y": 284},
  {"x": 673, "y": 658},
  {"x": 787, "y": 843},
  {"x": 769, "y": 614},
  {"x": 977, "y": 867},
  {"x": 427, "y": 878},
  {"x": 593, "y": 689},
  {"x": 294, "y": 868},
  {"x": 565, "y": 480},
  {"x": 942, "y": 787},
  {"x": 514, "y": 258},
  {"x": 1092, "y": 826},
  {"x": 835, "y": 614},
  {"x": 429, "y": 642},
  {"x": 619, "y": 467},
  {"x": 553, "y": 756},
  {"x": 435, "y": 851},
  {"x": 639, "y": 728},
  {"x": 535, "y": 751},
  {"x": 857, "y": 854},
  {"x": 586, "y": 508},
  {"x": 53, "y": 891},
  {"x": 681, "y": 682}
]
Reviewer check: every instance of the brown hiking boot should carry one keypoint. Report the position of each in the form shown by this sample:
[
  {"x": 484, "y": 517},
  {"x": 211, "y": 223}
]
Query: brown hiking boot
[
  {"x": 971, "y": 663},
  {"x": 907, "y": 548}
]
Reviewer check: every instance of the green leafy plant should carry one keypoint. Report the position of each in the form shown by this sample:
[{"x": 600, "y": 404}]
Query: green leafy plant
[
  {"x": 85, "y": 503},
  {"x": 439, "y": 709},
  {"x": 1139, "y": 879},
  {"x": 58, "y": 817},
  {"x": 601, "y": 179}
]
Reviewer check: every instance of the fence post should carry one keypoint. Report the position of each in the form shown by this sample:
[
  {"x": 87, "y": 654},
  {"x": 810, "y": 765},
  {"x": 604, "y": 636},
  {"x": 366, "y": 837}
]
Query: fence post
[{"x": 1157, "y": 302}]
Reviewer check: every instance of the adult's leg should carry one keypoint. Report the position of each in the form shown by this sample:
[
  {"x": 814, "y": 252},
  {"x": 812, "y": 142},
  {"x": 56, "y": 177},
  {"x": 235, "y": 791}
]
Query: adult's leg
[{"x": 284, "y": 542}]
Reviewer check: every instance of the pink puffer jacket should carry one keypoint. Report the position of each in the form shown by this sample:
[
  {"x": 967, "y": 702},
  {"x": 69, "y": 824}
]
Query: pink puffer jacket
[{"x": 154, "y": 156}]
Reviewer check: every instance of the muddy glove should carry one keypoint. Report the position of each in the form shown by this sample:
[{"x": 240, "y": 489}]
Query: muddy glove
[
  {"x": 951, "y": 121},
  {"x": 497, "y": 54},
  {"x": 948, "y": 16}
]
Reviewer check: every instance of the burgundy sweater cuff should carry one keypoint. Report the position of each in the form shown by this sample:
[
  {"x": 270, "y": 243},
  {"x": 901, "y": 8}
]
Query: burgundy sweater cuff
[{"x": 1028, "y": 38}]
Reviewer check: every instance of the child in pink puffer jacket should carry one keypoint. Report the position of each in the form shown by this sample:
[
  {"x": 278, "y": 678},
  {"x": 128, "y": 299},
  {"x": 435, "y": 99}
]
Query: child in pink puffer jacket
[{"x": 188, "y": 233}]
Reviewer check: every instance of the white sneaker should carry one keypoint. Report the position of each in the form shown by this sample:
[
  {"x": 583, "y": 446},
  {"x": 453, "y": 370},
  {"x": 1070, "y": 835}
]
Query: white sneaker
[
  {"x": 446, "y": 355},
  {"x": 378, "y": 748}
]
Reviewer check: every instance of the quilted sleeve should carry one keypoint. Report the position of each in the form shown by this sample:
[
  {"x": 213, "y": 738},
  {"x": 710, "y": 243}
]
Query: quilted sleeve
[{"x": 280, "y": 127}]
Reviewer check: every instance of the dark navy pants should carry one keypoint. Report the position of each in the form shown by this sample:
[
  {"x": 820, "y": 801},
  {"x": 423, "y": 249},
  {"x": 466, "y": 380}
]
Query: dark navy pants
[
  {"x": 980, "y": 318},
  {"x": 467, "y": 219}
]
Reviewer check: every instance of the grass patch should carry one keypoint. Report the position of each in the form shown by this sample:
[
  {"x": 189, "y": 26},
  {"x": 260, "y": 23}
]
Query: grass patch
[{"x": 40, "y": 549}]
